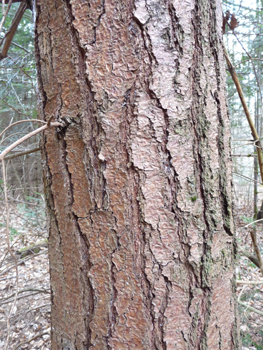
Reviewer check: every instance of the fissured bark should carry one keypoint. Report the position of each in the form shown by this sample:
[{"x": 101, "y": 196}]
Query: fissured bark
[{"x": 137, "y": 177}]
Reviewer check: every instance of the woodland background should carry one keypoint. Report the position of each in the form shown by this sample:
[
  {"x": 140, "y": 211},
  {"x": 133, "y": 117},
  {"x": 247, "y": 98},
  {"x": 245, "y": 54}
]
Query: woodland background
[{"x": 29, "y": 324}]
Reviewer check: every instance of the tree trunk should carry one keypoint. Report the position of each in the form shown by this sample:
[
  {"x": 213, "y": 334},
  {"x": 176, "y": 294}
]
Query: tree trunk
[{"x": 138, "y": 177}]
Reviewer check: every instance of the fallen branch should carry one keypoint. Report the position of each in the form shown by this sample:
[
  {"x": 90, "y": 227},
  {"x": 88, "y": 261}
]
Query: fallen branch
[
  {"x": 250, "y": 308},
  {"x": 24, "y": 291},
  {"x": 32, "y": 249},
  {"x": 30, "y": 310},
  {"x": 251, "y": 257},
  {"x": 31, "y": 339},
  {"x": 251, "y": 223},
  {"x": 18, "y": 298},
  {"x": 22, "y": 262},
  {"x": 249, "y": 282}
]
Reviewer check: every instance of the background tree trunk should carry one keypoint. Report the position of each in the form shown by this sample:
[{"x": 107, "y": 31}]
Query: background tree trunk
[{"x": 138, "y": 178}]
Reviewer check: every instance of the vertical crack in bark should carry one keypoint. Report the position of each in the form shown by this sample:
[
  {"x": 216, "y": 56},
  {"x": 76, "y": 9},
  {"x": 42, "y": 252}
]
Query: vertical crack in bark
[
  {"x": 177, "y": 30},
  {"x": 87, "y": 262},
  {"x": 225, "y": 200},
  {"x": 203, "y": 170},
  {"x": 94, "y": 123},
  {"x": 161, "y": 319},
  {"x": 39, "y": 68},
  {"x": 149, "y": 295},
  {"x": 98, "y": 21},
  {"x": 146, "y": 40}
]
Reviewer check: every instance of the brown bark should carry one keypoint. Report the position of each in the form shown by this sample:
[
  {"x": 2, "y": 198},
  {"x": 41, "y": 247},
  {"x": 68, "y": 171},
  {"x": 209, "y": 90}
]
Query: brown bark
[{"x": 138, "y": 178}]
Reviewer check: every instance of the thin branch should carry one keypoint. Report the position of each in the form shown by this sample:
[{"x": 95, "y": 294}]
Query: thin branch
[
  {"x": 250, "y": 308},
  {"x": 243, "y": 140},
  {"x": 28, "y": 341},
  {"x": 22, "y": 261},
  {"x": 242, "y": 155},
  {"x": 249, "y": 59},
  {"x": 6, "y": 253},
  {"x": 12, "y": 30},
  {"x": 23, "y": 291},
  {"x": 20, "y": 47},
  {"x": 26, "y": 137},
  {"x": 22, "y": 121},
  {"x": 5, "y": 14},
  {"x": 244, "y": 144},
  {"x": 249, "y": 119},
  {"x": 12, "y": 135},
  {"x": 23, "y": 153},
  {"x": 30, "y": 310},
  {"x": 254, "y": 69},
  {"x": 18, "y": 298},
  {"x": 256, "y": 249},
  {"x": 251, "y": 223},
  {"x": 248, "y": 282},
  {"x": 251, "y": 257},
  {"x": 246, "y": 177},
  {"x": 14, "y": 109}
]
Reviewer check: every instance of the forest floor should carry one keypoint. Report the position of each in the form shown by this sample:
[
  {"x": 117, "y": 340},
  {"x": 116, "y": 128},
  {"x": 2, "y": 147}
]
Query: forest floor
[
  {"x": 251, "y": 323},
  {"x": 28, "y": 326},
  {"x": 30, "y": 319}
]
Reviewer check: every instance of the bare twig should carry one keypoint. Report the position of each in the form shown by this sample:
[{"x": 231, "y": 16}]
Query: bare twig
[
  {"x": 24, "y": 291},
  {"x": 249, "y": 282},
  {"x": 22, "y": 261},
  {"x": 246, "y": 177},
  {"x": 256, "y": 249},
  {"x": 249, "y": 256},
  {"x": 20, "y": 297},
  {"x": 251, "y": 223},
  {"x": 30, "y": 310},
  {"x": 28, "y": 341},
  {"x": 20, "y": 47},
  {"x": 12, "y": 30},
  {"x": 5, "y": 14},
  {"x": 250, "y": 308},
  {"x": 26, "y": 137},
  {"x": 23, "y": 153},
  {"x": 242, "y": 140},
  {"x": 14, "y": 109},
  {"x": 250, "y": 121},
  {"x": 256, "y": 139},
  {"x": 249, "y": 59},
  {"x": 21, "y": 121},
  {"x": 242, "y": 155},
  {"x": 254, "y": 69},
  {"x": 6, "y": 253}
]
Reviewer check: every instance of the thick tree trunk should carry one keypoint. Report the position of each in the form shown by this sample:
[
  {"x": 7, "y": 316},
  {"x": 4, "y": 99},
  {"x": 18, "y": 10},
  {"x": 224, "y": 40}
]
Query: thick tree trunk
[{"x": 138, "y": 178}]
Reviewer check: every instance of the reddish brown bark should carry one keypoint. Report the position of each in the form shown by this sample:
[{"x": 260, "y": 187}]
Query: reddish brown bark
[{"x": 138, "y": 178}]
